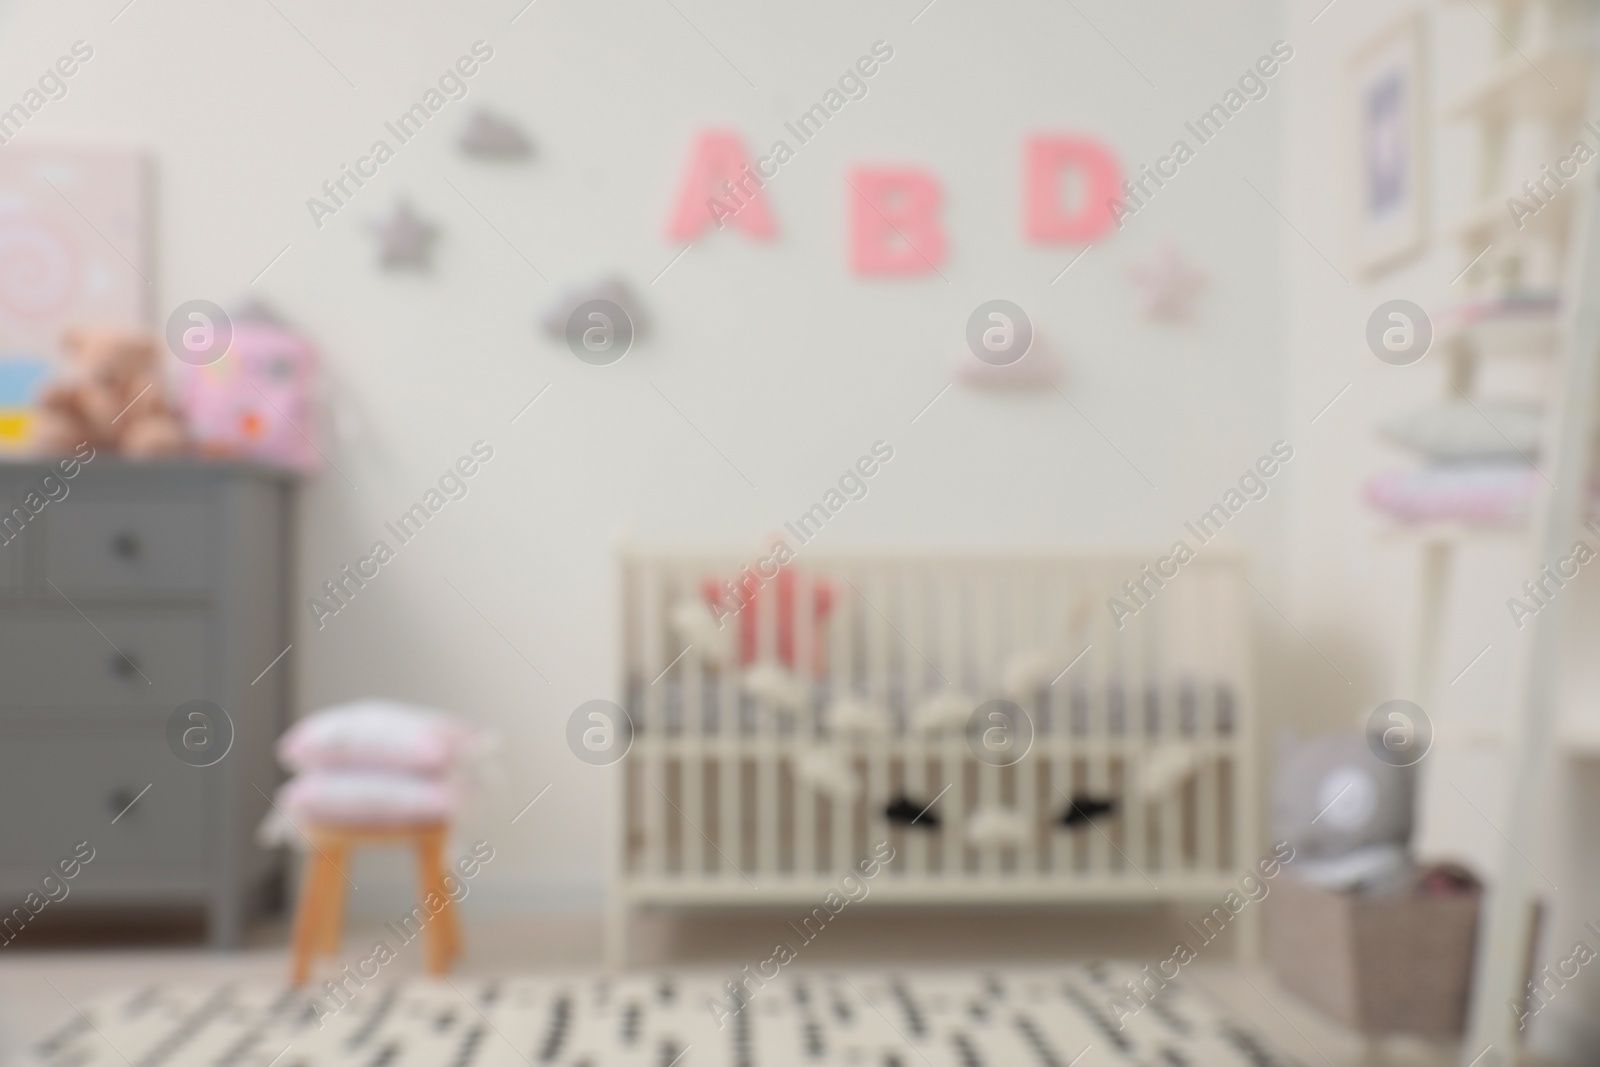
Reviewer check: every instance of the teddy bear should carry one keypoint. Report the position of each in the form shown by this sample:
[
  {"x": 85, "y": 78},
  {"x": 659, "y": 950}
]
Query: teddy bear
[
  {"x": 1348, "y": 816},
  {"x": 112, "y": 397}
]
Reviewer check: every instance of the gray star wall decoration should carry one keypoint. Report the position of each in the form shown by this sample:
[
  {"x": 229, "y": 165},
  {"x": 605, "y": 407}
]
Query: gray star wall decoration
[{"x": 405, "y": 239}]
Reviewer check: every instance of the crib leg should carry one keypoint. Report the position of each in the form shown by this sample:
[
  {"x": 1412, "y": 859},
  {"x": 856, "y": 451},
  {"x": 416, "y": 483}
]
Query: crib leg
[{"x": 616, "y": 933}]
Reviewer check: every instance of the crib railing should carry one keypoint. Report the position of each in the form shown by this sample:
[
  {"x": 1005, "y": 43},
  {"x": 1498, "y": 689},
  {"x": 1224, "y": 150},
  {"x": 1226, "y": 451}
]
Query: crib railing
[{"x": 717, "y": 793}]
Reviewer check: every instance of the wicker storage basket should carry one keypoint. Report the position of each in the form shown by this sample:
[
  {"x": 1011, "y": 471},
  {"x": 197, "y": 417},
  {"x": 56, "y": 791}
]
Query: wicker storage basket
[{"x": 1384, "y": 964}]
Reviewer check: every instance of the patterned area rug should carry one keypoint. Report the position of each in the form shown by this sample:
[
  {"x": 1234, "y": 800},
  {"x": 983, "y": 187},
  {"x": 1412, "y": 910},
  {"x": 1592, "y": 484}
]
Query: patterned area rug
[{"x": 1055, "y": 1017}]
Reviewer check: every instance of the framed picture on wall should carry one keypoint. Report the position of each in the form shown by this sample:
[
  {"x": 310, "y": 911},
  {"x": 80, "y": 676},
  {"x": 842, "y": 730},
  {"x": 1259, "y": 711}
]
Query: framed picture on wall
[
  {"x": 1389, "y": 178},
  {"x": 74, "y": 250}
]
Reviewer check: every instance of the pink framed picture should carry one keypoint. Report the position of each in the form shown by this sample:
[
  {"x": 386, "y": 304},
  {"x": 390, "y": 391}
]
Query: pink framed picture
[{"x": 74, "y": 250}]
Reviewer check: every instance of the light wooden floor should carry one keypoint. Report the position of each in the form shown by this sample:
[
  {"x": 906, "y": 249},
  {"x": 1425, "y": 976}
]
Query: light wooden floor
[{"x": 40, "y": 976}]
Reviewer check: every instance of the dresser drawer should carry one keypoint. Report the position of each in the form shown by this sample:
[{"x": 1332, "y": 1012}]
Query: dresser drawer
[
  {"x": 14, "y": 539},
  {"x": 55, "y": 658},
  {"x": 64, "y": 786},
  {"x": 130, "y": 545},
  {"x": 12, "y": 556}
]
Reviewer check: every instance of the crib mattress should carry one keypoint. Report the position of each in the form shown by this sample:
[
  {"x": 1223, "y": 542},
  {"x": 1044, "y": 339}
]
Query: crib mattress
[{"x": 1186, "y": 709}]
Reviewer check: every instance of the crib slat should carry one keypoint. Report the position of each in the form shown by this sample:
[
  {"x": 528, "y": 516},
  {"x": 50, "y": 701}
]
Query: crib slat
[
  {"x": 1065, "y": 633},
  {"x": 767, "y": 714},
  {"x": 1177, "y": 628},
  {"x": 913, "y": 687},
  {"x": 1028, "y": 609},
  {"x": 656, "y": 788},
  {"x": 1105, "y": 680},
  {"x": 876, "y": 616},
  {"x": 841, "y": 669},
  {"x": 1244, "y": 773},
  {"x": 729, "y": 747},
  {"x": 989, "y": 614},
  {"x": 632, "y": 618},
  {"x": 804, "y": 621},
  {"x": 1207, "y": 784},
  {"x": 1090, "y": 674},
  {"x": 951, "y": 807},
  {"x": 1137, "y": 640},
  {"x": 691, "y": 684}
]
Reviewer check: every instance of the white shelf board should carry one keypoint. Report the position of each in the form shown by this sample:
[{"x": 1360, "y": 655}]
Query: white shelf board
[
  {"x": 1493, "y": 218},
  {"x": 1507, "y": 336},
  {"x": 1547, "y": 81},
  {"x": 1578, "y": 740}
]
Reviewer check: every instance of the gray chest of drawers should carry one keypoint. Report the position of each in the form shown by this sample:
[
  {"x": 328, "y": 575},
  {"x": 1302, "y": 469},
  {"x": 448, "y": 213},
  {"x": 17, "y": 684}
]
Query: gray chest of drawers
[{"x": 139, "y": 588}]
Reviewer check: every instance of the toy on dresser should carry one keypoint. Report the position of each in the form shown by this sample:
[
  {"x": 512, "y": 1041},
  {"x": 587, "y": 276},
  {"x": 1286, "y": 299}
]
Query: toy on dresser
[
  {"x": 256, "y": 402},
  {"x": 111, "y": 397}
]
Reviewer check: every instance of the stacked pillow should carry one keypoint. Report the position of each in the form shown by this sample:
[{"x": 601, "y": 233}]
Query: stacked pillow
[
  {"x": 1481, "y": 464},
  {"x": 374, "y": 762},
  {"x": 1457, "y": 433},
  {"x": 1478, "y": 494}
]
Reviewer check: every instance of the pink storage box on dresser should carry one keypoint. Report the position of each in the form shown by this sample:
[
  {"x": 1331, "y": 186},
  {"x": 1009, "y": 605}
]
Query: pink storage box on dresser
[{"x": 256, "y": 402}]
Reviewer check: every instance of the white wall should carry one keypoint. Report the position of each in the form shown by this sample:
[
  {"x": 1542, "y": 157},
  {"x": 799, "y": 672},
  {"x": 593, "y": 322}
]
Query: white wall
[{"x": 790, "y": 364}]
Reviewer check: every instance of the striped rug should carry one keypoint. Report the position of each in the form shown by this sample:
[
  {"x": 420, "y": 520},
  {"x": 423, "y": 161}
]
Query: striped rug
[{"x": 1055, "y": 1017}]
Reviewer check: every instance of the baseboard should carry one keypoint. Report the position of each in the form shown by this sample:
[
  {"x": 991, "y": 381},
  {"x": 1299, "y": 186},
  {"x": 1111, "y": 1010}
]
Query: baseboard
[{"x": 380, "y": 901}]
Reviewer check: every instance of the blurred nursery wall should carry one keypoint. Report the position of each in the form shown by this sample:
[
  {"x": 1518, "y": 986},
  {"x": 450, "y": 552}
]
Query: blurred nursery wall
[{"x": 768, "y": 366}]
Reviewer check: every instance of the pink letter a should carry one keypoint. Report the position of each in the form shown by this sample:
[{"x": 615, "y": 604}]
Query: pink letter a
[{"x": 719, "y": 187}]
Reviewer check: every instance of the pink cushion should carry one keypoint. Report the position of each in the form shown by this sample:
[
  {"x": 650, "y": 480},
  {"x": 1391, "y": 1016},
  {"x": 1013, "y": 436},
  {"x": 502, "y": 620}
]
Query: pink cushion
[
  {"x": 1478, "y": 493},
  {"x": 378, "y": 735},
  {"x": 365, "y": 797}
]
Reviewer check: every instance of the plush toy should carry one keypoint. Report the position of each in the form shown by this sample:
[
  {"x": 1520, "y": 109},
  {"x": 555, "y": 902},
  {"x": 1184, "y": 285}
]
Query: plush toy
[
  {"x": 742, "y": 598},
  {"x": 1028, "y": 670},
  {"x": 858, "y": 716},
  {"x": 825, "y": 772},
  {"x": 1083, "y": 810},
  {"x": 947, "y": 709},
  {"x": 112, "y": 397},
  {"x": 776, "y": 686},
  {"x": 1165, "y": 768},
  {"x": 904, "y": 811},
  {"x": 1347, "y": 814},
  {"x": 696, "y": 626},
  {"x": 995, "y": 825}
]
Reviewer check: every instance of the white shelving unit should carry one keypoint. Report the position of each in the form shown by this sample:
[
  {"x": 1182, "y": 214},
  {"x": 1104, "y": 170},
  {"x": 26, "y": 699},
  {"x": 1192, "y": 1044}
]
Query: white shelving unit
[
  {"x": 1528, "y": 111},
  {"x": 1525, "y": 110}
]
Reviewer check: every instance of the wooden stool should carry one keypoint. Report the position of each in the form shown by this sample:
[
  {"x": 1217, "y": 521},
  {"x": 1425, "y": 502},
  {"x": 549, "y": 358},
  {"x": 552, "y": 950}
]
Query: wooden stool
[{"x": 319, "y": 911}]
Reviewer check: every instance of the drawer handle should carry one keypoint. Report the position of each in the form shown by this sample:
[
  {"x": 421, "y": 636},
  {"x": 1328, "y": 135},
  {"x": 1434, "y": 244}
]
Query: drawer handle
[
  {"x": 125, "y": 545},
  {"x": 124, "y": 666}
]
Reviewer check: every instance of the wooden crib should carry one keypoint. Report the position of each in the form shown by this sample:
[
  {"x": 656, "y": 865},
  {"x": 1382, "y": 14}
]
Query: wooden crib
[{"x": 721, "y": 802}]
